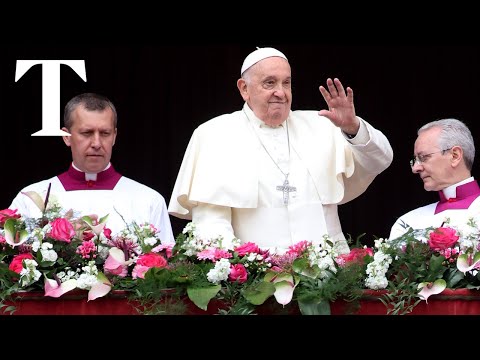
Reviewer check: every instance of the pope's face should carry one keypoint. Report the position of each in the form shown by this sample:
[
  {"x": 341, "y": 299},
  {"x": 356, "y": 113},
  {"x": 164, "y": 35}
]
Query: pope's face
[
  {"x": 92, "y": 138},
  {"x": 268, "y": 90}
]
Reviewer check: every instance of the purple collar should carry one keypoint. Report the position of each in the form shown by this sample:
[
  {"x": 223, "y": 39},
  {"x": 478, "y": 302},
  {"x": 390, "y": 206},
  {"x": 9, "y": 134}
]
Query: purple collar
[
  {"x": 466, "y": 195},
  {"x": 75, "y": 180}
]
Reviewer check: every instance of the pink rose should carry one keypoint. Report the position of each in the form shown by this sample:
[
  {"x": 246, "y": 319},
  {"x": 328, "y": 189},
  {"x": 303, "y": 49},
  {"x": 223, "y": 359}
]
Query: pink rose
[
  {"x": 145, "y": 262},
  {"x": 62, "y": 230},
  {"x": 247, "y": 248},
  {"x": 8, "y": 214},
  {"x": 152, "y": 260},
  {"x": 17, "y": 263},
  {"x": 442, "y": 238},
  {"x": 238, "y": 273}
]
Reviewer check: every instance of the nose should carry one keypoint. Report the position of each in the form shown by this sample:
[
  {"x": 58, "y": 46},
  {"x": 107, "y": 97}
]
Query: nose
[
  {"x": 279, "y": 91},
  {"x": 417, "y": 167},
  {"x": 96, "y": 143}
]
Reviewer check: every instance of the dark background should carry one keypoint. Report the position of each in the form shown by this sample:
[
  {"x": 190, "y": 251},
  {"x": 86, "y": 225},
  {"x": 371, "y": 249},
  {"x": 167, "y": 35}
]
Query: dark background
[{"x": 162, "y": 92}]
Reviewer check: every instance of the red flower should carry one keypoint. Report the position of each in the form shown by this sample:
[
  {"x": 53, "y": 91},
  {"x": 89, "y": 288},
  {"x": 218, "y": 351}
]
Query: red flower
[
  {"x": 108, "y": 233},
  {"x": 443, "y": 238},
  {"x": 356, "y": 256},
  {"x": 152, "y": 260},
  {"x": 17, "y": 262}
]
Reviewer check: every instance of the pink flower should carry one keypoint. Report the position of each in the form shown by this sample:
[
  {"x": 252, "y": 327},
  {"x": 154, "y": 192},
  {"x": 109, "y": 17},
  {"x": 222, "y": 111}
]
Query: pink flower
[
  {"x": 139, "y": 271},
  {"x": 108, "y": 233},
  {"x": 146, "y": 262},
  {"x": 355, "y": 256},
  {"x": 213, "y": 254},
  {"x": 238, "y": 273},
  {"x": 17, "y": 263},
  {"x": 247, "y": 248},
  {"x": 8, "y": 214},
  {"x": 62, "y": 230},
  {"x": 299, "y": 248},
  {"x": 87, "y": 250},
  {"x": 152, "y": 260},
  {"x": 119, "y": 269},
  {"x": 168, "y": 249},
  {"x": 443, "y": 238},
  {"x": 207, "y": 254}
]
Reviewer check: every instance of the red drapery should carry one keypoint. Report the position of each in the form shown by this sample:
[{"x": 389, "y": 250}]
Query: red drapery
[{"x": 450, "y": 302}]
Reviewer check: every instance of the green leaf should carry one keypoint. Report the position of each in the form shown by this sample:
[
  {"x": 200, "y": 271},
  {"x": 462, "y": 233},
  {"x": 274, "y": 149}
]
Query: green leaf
[
  {"x": 202, "y": 296},
  {"x": 257, "y": 294},
  {"x": 320, "y": 307},
  {"x": 454, "y": 276}
]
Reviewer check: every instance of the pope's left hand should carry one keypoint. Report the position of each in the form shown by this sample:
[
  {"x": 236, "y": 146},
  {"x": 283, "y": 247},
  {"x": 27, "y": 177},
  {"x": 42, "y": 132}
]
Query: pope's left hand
[{"x": 341, "y": 111}]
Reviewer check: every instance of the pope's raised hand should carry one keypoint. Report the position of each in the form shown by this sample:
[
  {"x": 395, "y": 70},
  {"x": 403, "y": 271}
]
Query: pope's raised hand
[{"x": 341, "y": 111}]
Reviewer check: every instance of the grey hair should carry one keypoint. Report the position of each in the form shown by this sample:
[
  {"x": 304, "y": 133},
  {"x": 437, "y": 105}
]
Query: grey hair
[
  {"x": 91, "y": 102},
  {"x": 454, "y": 133}
]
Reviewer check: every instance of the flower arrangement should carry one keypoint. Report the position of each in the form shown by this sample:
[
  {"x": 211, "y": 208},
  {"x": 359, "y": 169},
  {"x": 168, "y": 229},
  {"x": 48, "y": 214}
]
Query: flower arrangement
[
  {"x": 205, "y": 267},
  {"x": 63, "y": 251},
  {"x": 425, "y": 262}
]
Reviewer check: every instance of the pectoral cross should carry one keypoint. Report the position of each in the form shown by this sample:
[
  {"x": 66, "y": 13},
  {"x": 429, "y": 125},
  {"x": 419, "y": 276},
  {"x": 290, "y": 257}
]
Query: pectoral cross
[{"x": 287, "y": 189}]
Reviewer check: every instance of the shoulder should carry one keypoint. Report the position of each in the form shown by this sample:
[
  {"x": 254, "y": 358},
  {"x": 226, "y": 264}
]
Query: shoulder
[
  {"x": 222, "y": 122},
  {"x": 41, "y": 185},
  {"x": 135, "y": 188},
  {"x": 421, "y": 211}
]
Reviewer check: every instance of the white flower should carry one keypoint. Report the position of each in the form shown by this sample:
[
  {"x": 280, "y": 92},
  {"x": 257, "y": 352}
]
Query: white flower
[{"x": 220, "y": 272}]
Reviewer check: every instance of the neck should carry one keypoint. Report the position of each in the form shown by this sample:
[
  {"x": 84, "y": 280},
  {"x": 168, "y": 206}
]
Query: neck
[{"x": 451, "y": 191}]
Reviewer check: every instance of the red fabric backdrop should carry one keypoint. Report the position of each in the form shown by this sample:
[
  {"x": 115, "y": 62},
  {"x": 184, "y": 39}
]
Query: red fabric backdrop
[{"x": 450, "y": 302}]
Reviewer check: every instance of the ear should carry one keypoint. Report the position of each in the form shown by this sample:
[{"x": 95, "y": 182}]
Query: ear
[
  {"x": 66, "y": 139},
  {"x": 242, "y": 87},
  {"x": 114, "y": 136},
  {"x": 457, "y": 155}
]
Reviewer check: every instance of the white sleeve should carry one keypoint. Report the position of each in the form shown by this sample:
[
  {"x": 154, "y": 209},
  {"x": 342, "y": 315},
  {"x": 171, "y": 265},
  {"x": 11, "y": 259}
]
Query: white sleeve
[
  {"x": 213, "y": 219},
  {"x": 161, "y": 220}
]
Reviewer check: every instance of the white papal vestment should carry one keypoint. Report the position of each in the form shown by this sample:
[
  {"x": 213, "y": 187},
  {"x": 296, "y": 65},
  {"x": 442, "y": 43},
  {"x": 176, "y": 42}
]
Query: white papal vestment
[{"x": 229, "y": 180}]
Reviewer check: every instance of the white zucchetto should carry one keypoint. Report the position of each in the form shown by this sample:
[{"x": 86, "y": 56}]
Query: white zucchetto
[{"x": 260, "y": 54}]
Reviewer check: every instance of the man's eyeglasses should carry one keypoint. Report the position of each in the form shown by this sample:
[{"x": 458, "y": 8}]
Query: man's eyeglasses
[{"x": 420, "y": 159}]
